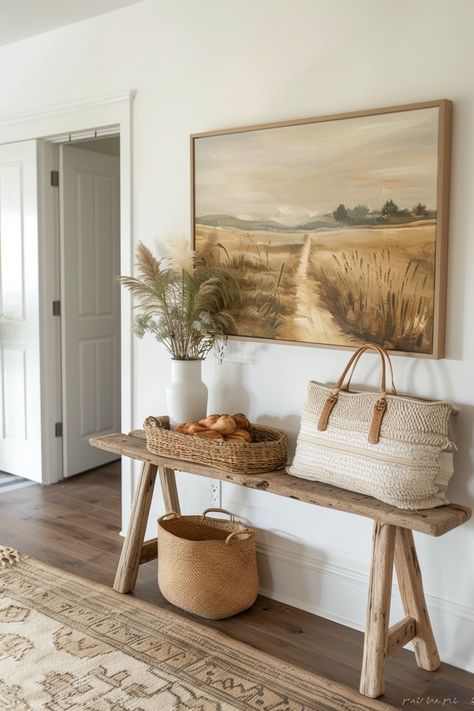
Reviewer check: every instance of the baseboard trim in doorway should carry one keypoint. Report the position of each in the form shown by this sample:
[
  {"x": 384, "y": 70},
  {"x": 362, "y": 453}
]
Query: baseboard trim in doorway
[{"x": 8, "y": 482}]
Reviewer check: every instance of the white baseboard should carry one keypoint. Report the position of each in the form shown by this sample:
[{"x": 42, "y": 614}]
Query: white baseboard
[{"x": 339, "y": 593}]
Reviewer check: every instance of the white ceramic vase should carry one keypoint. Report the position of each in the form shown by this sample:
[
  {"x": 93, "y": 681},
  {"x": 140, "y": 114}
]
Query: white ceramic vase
[{"x": 186, "y": 394}]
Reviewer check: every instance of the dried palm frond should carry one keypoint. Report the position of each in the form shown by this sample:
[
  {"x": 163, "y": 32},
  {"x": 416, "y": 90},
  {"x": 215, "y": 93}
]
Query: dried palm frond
[
  {"x": 147, "y": 264},
  {"x": 184, "y": 305},
  {"x": 180, "y": 255}
]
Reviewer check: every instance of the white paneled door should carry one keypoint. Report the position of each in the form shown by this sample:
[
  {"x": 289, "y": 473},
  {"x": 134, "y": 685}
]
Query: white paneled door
[
  {"x": 20, "y": 393},
  {"x": 90, "y": 258}
]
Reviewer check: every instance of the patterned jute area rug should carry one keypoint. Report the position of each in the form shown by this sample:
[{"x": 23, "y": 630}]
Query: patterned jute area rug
[{"x": 68, "y": 644}]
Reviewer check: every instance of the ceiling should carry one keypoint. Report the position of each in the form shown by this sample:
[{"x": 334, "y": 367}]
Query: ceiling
[{"x": 24, "y": 18}]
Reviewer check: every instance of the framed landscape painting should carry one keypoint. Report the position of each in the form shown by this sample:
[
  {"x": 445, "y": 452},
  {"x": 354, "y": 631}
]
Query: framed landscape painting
[{"x": 335, "y": 227}]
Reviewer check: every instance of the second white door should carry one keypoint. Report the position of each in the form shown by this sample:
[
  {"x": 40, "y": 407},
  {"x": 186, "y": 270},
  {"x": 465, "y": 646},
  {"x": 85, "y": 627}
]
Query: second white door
[
  {"x": 90, "y": 303},
  {"x": 20, "y": 386}
]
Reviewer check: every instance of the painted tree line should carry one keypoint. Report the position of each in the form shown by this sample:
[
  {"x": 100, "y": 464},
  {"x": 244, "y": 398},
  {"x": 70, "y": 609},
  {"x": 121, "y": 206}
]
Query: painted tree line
[{"x": 390, "y": 212}]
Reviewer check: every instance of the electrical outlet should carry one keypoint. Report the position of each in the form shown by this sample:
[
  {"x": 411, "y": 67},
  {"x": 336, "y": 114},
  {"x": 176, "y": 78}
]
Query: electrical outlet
[{"x": 215, "y": 497}]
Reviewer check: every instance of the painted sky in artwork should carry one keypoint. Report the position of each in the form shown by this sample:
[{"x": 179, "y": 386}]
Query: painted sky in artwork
[{"x": 301, "y": 172}]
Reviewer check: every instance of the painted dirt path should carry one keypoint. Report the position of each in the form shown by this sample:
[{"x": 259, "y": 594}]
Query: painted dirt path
[{"x": 312, "y": 322}]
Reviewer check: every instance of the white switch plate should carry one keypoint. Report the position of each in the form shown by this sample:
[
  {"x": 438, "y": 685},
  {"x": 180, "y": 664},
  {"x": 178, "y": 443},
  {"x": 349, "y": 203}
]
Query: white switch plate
[{"x": 215, "y": 496}]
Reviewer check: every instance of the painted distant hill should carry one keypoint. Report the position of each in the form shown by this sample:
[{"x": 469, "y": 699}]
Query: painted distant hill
[
  {"x": 261, "y": 225},
  {"x": 325, "y": 222}
]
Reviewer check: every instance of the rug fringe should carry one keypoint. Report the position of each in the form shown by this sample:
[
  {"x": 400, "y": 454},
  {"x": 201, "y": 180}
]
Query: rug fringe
[{"x": 8, "y": 556}]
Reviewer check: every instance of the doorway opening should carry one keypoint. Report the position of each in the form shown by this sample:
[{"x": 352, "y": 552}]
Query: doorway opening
[
  {"x": 31, "y": 406},
  {"x": 60, "y": 304},
  {"x": 89, "y": 229}
]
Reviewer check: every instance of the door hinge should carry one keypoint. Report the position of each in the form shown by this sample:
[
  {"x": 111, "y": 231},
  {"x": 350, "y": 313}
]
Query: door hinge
[
  {"x": 58, "y": 429},
  {"x": 55, "y": 178},
  {"x": 56, "y": 308}
]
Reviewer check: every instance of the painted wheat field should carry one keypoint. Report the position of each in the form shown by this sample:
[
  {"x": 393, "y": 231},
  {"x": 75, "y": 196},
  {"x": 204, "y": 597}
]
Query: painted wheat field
[
  {"x": 329, "y": 226},
  {"x": 336, "y": 286}
]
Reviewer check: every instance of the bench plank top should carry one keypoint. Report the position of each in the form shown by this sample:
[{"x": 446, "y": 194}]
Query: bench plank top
[{"x": 434, "y": 522}]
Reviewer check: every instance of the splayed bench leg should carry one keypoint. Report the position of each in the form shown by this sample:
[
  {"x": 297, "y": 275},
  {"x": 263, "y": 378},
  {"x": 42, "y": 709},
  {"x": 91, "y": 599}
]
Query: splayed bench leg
[
  {"x": 129, "y": 563},
  {"x": 134, "y": 550},
  {"x": 413, "y": 598},
  {"x": 378, "y": 610},
  {"x": 392, "y": 544}
]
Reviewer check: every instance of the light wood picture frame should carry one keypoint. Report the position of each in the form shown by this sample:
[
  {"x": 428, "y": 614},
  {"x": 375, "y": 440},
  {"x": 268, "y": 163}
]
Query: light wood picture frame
[{"x": 335, "y": 226}]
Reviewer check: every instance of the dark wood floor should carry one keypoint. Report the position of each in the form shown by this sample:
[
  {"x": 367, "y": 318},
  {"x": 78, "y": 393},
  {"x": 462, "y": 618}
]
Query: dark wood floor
[{"x": 75, "y": 526}]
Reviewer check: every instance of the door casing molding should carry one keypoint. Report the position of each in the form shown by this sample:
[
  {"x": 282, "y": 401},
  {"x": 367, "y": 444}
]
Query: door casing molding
[{"x": 89, "y": 113}]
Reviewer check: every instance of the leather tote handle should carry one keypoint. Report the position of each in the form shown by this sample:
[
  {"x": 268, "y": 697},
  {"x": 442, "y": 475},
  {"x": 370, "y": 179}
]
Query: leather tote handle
[
  {"x": 353, "y": 361},
  {"x": 381, "y": 403},
  {"x": 393, "y": 390}
]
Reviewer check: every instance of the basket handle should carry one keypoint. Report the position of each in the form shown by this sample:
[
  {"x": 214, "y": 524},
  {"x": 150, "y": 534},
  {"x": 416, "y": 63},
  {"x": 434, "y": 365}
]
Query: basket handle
[
  {"x": 151, "y": 422},
  {"x": 215, "y": 510},
  {"x": 169, "y": 515},
  {"x": 250, "y": 533}
]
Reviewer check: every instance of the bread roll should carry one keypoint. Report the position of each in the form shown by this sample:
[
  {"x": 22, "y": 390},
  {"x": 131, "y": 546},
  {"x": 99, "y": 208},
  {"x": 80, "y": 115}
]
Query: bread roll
[
  {"x": 208, "y": 421},
  {"x": 239, "y": 435},
  {"x": 224, "y": 424},
  {"x": 193, "y": 427},
  {"x": 209, "y": 434},
  {"x": 241, "y": 421}
]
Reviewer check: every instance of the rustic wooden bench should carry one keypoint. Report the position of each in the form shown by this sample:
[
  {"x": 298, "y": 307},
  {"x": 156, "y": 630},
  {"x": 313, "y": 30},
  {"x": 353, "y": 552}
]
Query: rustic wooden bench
[{"x": 392, "y": 543}]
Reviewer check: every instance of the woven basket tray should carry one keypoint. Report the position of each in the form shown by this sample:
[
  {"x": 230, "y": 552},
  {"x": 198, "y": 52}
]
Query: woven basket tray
[{"x": 266, "y": 453}]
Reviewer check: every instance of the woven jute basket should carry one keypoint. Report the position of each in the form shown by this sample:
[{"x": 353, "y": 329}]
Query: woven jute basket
[
  {"x": 268, "y": 451},
  {"x": 207, "y": 566}
]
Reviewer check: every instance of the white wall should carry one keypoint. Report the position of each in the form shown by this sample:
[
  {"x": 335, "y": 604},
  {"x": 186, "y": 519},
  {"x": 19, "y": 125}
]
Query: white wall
[{"x": 206, "y": 64}]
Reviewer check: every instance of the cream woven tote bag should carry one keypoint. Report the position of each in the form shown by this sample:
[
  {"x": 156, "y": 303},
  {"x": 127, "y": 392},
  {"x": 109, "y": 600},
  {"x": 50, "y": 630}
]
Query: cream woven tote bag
[{"x": 393, "y": 447}]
